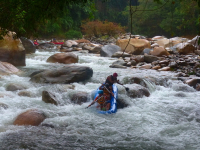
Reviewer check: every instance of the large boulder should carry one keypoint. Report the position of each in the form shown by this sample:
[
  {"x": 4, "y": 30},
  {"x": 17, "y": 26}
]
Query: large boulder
[
  {"x": 135, "y": 46},
  {"x": 150, "y": 58},
  {"x": 137, "y": 91},
  {"x": 31, "y": 117},
  {"x": 109, "y": 50},
  {"x": 12, "y": 50},
  {"x": 185, "y": 48},
  {"x": 70, "y": 43},
  {"x": 66, "y": 74},
  {"x": 28, "y": 45},
  {"x": 159, "y": 51},
  {"x": 65, "y": 58},
  {"x": 7, "y": 68}
]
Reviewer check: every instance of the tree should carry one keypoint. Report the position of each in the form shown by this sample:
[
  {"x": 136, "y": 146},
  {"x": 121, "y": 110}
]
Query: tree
[{"x": 25, "y": 16}]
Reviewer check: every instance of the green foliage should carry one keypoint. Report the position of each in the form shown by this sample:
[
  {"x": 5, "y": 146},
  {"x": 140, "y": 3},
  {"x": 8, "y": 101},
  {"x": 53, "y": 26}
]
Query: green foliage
[
  {"x": 98, "y": 28},
  {"x": 25, "y": 17},
  {"x": 73, "y": 34},
  {"x": 165, "y": 17}
]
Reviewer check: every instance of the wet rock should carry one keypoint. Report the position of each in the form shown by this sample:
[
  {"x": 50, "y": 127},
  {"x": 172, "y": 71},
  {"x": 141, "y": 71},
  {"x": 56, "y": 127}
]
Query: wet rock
[
  {"x": 65, "y": 75},
  {"x": 193, "y": 82},
  {"x": 146, "y": 66},
  {"x": 12, "y": 50},
  {"x": 25, "y": 93},
  {"x": 65, "y": 58},
  {"x": 156, "y": 67},
  {"x": 4, "y": 106},
  {"x": 28, "y": 45},
  {"x": 49, "y": 97},
  {"x": 80, "y": 98},
  {"x": 165, "y": 69},
  {"x": 117, "y": 66},
  {"x": 180, "y": 95},
  {"x": 150, "y": 58},
  {"x": 109, "y": 50},
  {"x": 31, "y": 117},
  {"x": 15, "y": 87},
  {"x": 7, "y": 68},
  {"x": 121, "y": 103},
  {"x": 136, "y": 80},
  {"x": 66, "y": 49},
  {"x": 137, "y": 91}
]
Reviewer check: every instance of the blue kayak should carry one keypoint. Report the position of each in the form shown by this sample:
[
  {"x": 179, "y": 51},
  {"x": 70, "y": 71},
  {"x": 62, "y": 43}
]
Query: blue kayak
[{"x": 113, "y": 101}]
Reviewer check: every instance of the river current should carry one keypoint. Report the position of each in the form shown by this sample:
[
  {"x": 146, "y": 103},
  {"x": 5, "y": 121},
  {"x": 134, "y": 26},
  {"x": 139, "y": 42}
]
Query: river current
[{"x": 167, "y": 119}]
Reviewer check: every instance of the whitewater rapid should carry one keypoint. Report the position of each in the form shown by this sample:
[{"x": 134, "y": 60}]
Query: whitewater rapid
[{"x": 166, "y": 120}]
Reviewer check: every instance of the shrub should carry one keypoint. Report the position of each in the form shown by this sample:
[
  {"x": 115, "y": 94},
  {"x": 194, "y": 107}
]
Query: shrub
[
  {"x": 73, "y": 34},
  {"x": 99, "y": 28}
]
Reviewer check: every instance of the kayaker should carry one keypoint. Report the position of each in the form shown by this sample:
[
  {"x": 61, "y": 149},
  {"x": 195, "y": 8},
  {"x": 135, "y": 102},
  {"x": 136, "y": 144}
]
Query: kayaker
[
  {"x": 102, "y": 100},
  {"x": 112, "y": 79}
]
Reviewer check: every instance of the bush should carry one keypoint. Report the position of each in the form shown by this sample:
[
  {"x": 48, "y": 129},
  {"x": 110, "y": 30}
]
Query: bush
[
  {"x": 73, "y": 34},
  {"x": 99, "y": 28}
]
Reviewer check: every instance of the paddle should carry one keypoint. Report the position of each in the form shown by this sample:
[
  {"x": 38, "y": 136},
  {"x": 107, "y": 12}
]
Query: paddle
[
  {"x": 126, "y": 88},
  {"x": 93, "y": 102}
]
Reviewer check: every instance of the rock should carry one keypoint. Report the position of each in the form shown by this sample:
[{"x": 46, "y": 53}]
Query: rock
[
  {"x": 165, "y": 69},
  {"x": 138, "y": 58},
  {"x": 95, "y": 50},
  {"x": 7, "y": 68},
  {"x": 12, "y": 50},
  {"x": 146, "y": 51},
  {"x": 185, "y": 48},
  {"x": 136, "y": 46},
  {"x": 156, "y": 67},
  {"x": 66, "y": 49},
  {"x": 136, "y": 80},
  {"x": 88, "y": 47},
  {"x": 82, "y": 41},
  {"x": 138, "y": 91},
  {"x": 120, "y": 54},
  {"x": 15, "y": 87},
  {"x": 65, "y": 58},
  {"x": 159, "y": 51},
  {"x": 121, "y": 103},
  {"x": 109, "y": 50},
  {"x": 119, "y": 62},
  {"x": 4, "y": 106},
  {"x": 117, "y": 66},
  {"x": 49, "y": 97},
  {"x": 25, "y": 93},
  {"x": 80, "y": 97},
  {"x": 70, "y": 43},
  {"x": 45, "y": 46},
  {"x": 193, "y": 82},
  {"x": 66, "y": 74},
  {"x": 146, "y": 66},
  {"x": 31, "y": 117},
  {"x": 28, "y": 45},
  {"x": 150, "y": 58}
]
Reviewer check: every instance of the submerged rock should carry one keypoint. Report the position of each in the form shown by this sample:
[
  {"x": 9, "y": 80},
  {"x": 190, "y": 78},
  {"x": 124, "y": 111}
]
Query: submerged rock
[{"x": 65, "y": 58}]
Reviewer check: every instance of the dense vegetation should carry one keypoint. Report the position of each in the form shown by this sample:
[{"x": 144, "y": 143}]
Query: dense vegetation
[{"x": 69, "y": 18}]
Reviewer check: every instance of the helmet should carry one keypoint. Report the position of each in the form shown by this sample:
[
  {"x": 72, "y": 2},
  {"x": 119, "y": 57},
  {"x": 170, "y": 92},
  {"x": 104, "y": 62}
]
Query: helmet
[
  {"x": 115, "y": 74},
  {"x": 100, "y": 92}
]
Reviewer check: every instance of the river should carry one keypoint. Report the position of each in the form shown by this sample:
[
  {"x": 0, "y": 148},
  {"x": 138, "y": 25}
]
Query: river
[{"x": 167, "y": 119}]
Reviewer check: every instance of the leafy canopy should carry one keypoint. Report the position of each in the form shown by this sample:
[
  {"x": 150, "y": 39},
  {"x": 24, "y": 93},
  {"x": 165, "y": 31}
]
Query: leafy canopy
[{"x": 25, "y": 16}]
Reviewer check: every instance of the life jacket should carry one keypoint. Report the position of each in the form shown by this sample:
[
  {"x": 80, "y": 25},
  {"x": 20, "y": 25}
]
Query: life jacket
[{"x": 101, "y": 100}]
